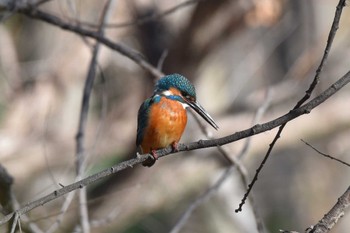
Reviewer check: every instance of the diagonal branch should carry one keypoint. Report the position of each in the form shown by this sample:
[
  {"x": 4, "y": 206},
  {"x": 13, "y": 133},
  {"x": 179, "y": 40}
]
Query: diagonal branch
[
  {"x": 147, "y": 18},
  {"x": 325, "y": 155},
  {"x": 234, "y": 163},
  {"x": 257, "y": 129},
  {"x": 307, "y": 95},
  {"x": 80, "y": 150},
  {"x": 332, "y": 217},
  {"x": 201, "y": 199},
  {"x": 35, "y": 13}
]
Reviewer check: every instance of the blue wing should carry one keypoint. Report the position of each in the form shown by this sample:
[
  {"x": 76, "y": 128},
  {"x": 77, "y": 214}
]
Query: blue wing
[{"x": 142, "y": 117}]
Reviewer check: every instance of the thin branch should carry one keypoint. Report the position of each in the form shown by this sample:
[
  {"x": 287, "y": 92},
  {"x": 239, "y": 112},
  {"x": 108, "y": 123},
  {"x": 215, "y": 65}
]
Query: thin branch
[
  {"x": 48, "y": 167},
  {"x": 307, "y": 95},
  {"x": 9, "y": 202},
  {"x": 102, "y": 222},
  {"x": 35, "y": 13},
  {"x": 147, "y": 18},
  {"x": 15, "y": 222},
  {"x": 332, "y": 217},
  {"x": 108, "y": 219},
  {"x": 257, "y": 129},
  {"x": 261, "y": 111},
  {"x": 201, "y": 199},
  {"x": 331, "y": 35},
  {"x": 41, "y": 2},
  {"x": 63, "y": 210},
  {"x": 234, "y": 163},
  {"x": 80, "y": 150},
  {"x": 162, "y": 59},
  {"x": 325, "y": 155}
]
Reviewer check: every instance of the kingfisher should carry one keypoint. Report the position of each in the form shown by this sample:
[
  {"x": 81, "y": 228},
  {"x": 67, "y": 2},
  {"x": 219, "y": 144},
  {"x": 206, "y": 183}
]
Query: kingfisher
[{"x": 162, "y": 118}]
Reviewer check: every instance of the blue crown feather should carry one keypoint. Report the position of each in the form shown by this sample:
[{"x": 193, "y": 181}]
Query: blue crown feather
[{"x": 177, "y": 81}]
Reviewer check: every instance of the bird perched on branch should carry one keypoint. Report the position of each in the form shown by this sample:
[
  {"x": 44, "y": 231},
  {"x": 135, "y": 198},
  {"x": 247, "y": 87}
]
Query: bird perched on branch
[{"x": 162, "y": 118}]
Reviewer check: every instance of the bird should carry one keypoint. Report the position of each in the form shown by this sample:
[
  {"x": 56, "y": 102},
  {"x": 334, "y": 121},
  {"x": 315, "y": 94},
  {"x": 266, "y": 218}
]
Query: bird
[{"x": 162, "y": 118}]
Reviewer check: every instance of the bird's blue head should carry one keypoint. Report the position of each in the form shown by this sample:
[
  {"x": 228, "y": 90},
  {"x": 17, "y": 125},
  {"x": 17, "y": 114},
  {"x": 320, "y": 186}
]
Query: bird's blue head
[
  {"x": 178, "y": 82},
  {"x": 179, "y": 88}
]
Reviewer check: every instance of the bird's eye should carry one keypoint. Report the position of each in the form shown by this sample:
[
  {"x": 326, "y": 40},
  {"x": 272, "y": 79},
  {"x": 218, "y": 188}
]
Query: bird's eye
[{"x": 187, "y": 96}]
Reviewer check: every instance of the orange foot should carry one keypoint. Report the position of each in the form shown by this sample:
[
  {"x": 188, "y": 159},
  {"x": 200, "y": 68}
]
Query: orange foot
[
  {"x": 151, "y": 160},
  {"x": 175, "y": 146}
]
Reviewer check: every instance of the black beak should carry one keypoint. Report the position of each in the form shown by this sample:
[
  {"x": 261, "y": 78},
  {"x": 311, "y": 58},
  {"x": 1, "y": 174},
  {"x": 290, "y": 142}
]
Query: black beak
[{"x": 201, "y": 111}]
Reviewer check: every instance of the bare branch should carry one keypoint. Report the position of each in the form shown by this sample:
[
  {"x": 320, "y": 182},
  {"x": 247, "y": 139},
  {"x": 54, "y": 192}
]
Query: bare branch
[
  {"x": 15, "y": 222},
  {"x": 325, "y": 155},
  {"x": 201, "y": 199},
  {"x": 307, "y": 95},
  {"x": 333, "y": 216},
  {"x": 80, "y": 151},
  {"x": 147, "y": 18},
  {"x": 35, "y": 13},
  {"x": 8, "y": 201},
  {"x": 234, "y": 163},
  {"x": 257, "y": 129},
  {"x": 63, "y": 210}
]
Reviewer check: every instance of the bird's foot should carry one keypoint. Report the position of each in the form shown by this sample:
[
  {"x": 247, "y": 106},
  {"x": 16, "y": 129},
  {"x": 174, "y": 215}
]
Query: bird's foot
[
  {"x": 151, "y": 160},
  {"x": 154, "y": 155},
  {"x": 175, "y": 146}
]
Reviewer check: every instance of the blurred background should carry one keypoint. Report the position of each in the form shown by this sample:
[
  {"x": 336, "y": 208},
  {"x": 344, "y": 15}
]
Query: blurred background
[{"x": 239, "y": 55}]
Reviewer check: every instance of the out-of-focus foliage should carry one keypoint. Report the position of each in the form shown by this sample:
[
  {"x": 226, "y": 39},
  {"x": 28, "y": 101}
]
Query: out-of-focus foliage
[{"x": 235, "y": 52}]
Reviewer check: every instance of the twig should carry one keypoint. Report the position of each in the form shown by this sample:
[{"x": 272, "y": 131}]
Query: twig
[
  {"x": 332, "y": 33},
  {"x": 234, "y": 163},
  {"x": 257, "y": 129},
  {"x": 147, "y": 18},
  {"x": 162, "y": 59},
  {"x": 307, "y": 95},
  {"x": 201, "y": 199},
  {"x": 33, "y": 12},
  {"x": 80, "y": 151},
  {"x": 49, "y": 171},
  {"x": 101, "y": 222},
  {"x": 63, "y": 210},
  {"x": 15, "y": 222},
  {"x": 332, "y": 217},
  {"x": 261, "y": 110},
  {"x": 325, "y": 155}
]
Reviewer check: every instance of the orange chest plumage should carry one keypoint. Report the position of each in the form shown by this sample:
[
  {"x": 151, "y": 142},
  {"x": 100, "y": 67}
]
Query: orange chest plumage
[{"x": 166, "y": 123}]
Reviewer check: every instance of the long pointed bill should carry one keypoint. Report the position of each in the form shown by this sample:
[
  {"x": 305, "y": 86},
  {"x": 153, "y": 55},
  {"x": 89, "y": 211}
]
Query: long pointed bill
[{"x": 201, "y": 111}]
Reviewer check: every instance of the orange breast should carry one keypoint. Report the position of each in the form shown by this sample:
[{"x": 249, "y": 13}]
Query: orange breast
[{"x": 167, "y": 122}]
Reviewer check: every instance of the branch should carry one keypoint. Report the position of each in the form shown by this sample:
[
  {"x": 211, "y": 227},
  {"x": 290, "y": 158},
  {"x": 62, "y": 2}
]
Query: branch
[
  {"x": 257, "y": 129},
  {"x": 35, "y": 13},
  {"x": 80, "y": 150},
  {"x": 333, "y": 216},
  {"x": 234, "y": 162},
  {"x": 325, "y": 155},
  {"x": 307, "y": 95},
  {"x": 147, "y": 18},
  {"x": 202, "y": 198}
]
